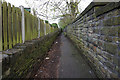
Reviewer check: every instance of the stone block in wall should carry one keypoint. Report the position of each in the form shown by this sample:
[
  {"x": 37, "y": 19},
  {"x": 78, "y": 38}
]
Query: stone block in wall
[
  {"x": 119, "y": 62},
  {"x": 113, "y": 74},
  {"x": 101, "y": 44},
  {"x": 109, "y": 31},
  {"x": 112, "y": 21},
  {"x": 99, "y": 51},
  {"x": 108, "y": 22},
  {"x": 103, "y": 70},
  {"x": 91, "y": 46},
  {"x": 119, "y": 51},
  {"x": 112, "y": 13},
  {"x": 100, "y": 58},
  {"x": 95, "y": 42},
  {"x": 118, "y": 71},
  {"x": 116, "y": 39},
  {"x": 111, "y": 48},
  {"x": 107, "y": 56},
  {"x": 116, "y": 20},
  {"x": 119, "y": 32},
  {"x": 108, "y": 38},
  {"x": 110, "y": 65},
  {"x": 90, "y": 56},
  {"x": 115, "y": 59},
  {"x": 96, "y": 30},
  {"x": 90, "y": 12},
  {"x": 5, "y": 61}
]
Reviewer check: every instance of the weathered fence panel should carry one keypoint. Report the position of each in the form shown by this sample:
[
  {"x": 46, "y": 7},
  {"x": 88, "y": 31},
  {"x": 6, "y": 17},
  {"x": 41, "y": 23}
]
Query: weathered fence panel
[
  {"x": 1, "y": 27},
  {"x": 18, "y": 25}
]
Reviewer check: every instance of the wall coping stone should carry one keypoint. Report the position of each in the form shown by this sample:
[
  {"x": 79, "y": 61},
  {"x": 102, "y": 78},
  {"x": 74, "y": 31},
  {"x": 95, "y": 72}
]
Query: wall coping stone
[
  {"x": 89, "y": 7},
  {"x": 107, "y": 8},
  {"x": 104, "y": 7}
]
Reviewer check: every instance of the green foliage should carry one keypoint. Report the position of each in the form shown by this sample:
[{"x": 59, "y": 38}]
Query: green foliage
[
  {"x": 46, "y": 21},
  {"x": 69, "y": 17},
  {"x": 65, "y": 34},
  {"x": 54, "y": 25}
]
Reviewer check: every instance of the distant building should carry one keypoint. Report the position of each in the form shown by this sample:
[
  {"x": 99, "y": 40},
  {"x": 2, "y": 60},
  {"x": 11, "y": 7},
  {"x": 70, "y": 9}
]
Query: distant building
[{"x": 28, "y": 9}]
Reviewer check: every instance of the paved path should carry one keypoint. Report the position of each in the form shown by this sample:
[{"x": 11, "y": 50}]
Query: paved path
[
  {"x": 72, "y": 65},
  {"x": 64, "y": 61}
]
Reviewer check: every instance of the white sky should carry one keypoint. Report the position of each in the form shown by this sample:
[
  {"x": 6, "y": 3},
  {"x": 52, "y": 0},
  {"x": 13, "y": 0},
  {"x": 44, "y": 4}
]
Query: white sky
[{"x": 83, "y": 4}]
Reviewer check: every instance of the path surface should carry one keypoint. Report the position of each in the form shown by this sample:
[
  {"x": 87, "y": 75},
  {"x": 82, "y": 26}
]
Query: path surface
[
  {"x": 72, "y": 65},
  {"x": 64, "y": 61}
]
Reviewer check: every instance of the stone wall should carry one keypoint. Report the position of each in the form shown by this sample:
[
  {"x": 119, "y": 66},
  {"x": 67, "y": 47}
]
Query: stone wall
[
  {"x": 96, "y": 32},
  {"x": 24, "y": 59}
]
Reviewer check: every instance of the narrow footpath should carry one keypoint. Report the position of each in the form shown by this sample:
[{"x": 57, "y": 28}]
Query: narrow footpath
[{"x": 64, "y": 61}]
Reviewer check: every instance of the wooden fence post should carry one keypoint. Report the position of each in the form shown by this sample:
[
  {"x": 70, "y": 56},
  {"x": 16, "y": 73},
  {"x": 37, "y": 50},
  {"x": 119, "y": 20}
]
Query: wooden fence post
[
  {"x": 1, "y": 27},
  {"x": 38, "y": 28},
  {"x": 44, "y": 28},
  {"x": 23, "y": 24}
]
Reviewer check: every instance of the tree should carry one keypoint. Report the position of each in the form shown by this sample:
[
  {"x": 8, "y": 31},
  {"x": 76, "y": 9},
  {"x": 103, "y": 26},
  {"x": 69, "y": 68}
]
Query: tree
[
  {"x": 46, "y": 21},
  {"x": 54, "y": 25},
  {"x": 56, "y": 9}
]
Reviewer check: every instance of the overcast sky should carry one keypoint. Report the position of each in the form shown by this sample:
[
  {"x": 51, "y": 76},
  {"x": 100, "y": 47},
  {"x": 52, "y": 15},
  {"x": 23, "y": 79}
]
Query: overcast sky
[
  {"x": 83, "y": 4},
  {"x": 17, "y": 3}
]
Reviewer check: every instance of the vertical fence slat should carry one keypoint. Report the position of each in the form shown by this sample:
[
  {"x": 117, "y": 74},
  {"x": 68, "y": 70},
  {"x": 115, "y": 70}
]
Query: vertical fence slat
[
  {"x": 33, "y": 28},
  {"x": 1, "y": 27},
  {"x": 38, "y": 28},
  {"x": 17, "y": 26},
  {"x": 25, "y": 25},
  {"x": 20, "y": 26},
  {"x": 29, "y": 28},
  {"x": 10, "y": 26},
  {"x": 41, "y": 28},
  {"x": 5, "y": 25},
  {"x": 14, "y": 25}
]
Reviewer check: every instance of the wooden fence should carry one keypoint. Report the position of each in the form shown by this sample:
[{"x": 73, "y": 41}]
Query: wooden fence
[{"x": 16, "y": 27}]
